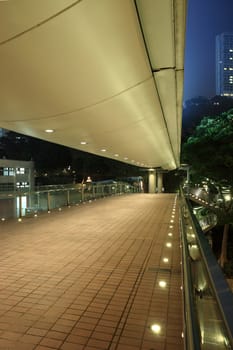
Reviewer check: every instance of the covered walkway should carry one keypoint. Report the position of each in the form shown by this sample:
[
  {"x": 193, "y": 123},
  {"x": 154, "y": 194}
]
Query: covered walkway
[{"x": 96, "y": 276}]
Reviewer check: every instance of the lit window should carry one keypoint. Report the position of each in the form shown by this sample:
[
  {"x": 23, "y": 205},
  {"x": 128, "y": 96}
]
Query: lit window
[
  {"x": 5, "y": 172},
  {"x": 8, "y": 171},
  {"x": 20, "y": 170},
  {"x": 225, "y": 68}
]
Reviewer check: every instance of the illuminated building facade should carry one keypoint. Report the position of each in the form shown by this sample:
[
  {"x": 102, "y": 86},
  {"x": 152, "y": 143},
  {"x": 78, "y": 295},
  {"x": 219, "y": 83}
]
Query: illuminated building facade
[
  {"x": 16, "y": 175},
  {"x": 224, "y": 64}
]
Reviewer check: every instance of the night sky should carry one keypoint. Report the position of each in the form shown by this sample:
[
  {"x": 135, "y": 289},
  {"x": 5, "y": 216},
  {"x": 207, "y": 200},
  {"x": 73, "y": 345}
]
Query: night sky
[{"x": 205, "y": 19}]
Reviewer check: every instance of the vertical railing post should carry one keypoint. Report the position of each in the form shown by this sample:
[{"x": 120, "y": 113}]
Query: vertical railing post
[
  {"x": 20, "y": 206},
  {"x": 48, "y": 201}
]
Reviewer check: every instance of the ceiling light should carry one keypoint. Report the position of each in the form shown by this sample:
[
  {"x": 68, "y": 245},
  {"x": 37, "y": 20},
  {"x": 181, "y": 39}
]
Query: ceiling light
[
  {"x": 168, "y": 244},
  {"x": 156, "y": 328},
  {"x": 162, "y": 284},
  {"x": 116, "y": 155},
  {"x": 103, "y": 150},
  {"x": 165, "y": 260},
  {"x": 49, "y": 130},
  {"x": 83, "y": 143}
]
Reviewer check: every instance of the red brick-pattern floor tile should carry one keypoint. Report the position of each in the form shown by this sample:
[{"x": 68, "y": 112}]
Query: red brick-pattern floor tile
[{"x": 87, "y": 278}]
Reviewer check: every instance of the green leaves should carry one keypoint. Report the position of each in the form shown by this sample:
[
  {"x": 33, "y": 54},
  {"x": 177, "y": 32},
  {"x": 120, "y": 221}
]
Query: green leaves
[{"x": 209, "y": 150}]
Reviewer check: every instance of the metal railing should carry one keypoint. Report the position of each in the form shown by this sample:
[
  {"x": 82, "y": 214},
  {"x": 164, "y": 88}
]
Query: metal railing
[
  {"x": 208, "y": 300},
  {"x": 19, "y": 204}
]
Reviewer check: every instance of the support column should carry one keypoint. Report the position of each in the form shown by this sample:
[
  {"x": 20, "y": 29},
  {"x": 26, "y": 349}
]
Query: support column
[
  {"x": 152, "y": 181},
  {"x": 160, "y": 182}
]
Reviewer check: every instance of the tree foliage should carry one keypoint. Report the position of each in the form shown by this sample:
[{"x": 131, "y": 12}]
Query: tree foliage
[
  {"x": 210, "y": 149},
  {"x": 195, "y": 108}
]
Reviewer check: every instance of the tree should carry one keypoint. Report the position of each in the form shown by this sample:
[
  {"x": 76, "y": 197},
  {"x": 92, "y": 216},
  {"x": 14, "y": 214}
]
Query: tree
[
  {"x": 210, "y": 148},
  {"x": 195, "y": 108},
  {"x": 210, "y": 152}
]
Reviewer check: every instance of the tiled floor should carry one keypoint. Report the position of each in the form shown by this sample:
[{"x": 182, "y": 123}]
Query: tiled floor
[{"x": 88, "y": 277}]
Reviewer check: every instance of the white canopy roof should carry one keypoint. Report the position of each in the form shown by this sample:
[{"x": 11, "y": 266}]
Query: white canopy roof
[{"x": 103, "y": 74}]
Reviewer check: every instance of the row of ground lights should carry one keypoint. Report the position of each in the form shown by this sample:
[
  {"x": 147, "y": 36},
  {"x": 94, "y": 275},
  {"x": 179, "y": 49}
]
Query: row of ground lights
[{"x": 156, "y": 328}]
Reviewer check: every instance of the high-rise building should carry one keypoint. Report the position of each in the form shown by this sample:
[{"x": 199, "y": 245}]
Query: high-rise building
[{"x": 224, "y": 64}]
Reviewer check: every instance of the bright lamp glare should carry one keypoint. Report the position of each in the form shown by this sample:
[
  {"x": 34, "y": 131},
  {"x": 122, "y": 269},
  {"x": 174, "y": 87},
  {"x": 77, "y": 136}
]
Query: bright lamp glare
[
  {"x": 156, "y": 328},
  {"x": 227, "y": 197},
  {"x": 162, "y": 284}
]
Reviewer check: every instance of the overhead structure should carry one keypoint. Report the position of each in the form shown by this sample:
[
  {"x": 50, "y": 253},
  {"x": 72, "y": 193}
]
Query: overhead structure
[{"x": 104, "y": 76}]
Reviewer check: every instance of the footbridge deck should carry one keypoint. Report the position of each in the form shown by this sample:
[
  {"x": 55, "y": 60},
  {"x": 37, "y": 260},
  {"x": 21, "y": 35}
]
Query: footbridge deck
[{"x": 99, "y": 275}]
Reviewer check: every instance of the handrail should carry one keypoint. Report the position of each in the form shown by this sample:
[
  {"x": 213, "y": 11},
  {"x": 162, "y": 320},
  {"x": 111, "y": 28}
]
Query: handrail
[
  {"x": 192, "y": 334},
  {"x": 221, "y": 289},
  {"x": 32, "y": 202},
  {"x": 207, "y": 288}
]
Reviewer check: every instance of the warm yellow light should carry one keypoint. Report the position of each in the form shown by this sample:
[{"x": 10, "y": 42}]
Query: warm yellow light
[
  {"x": 49, "y": 130},
  {"x": 227, "y": 197},
  {"x": 170, "y": 234},
  {"x": 162, "y": 284},
  {"x": 168, "y": 244},
  {"x": 156, "y": 328},
  {"x": 165, "y": 260},
  {"x": 83, "y": 143}
]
